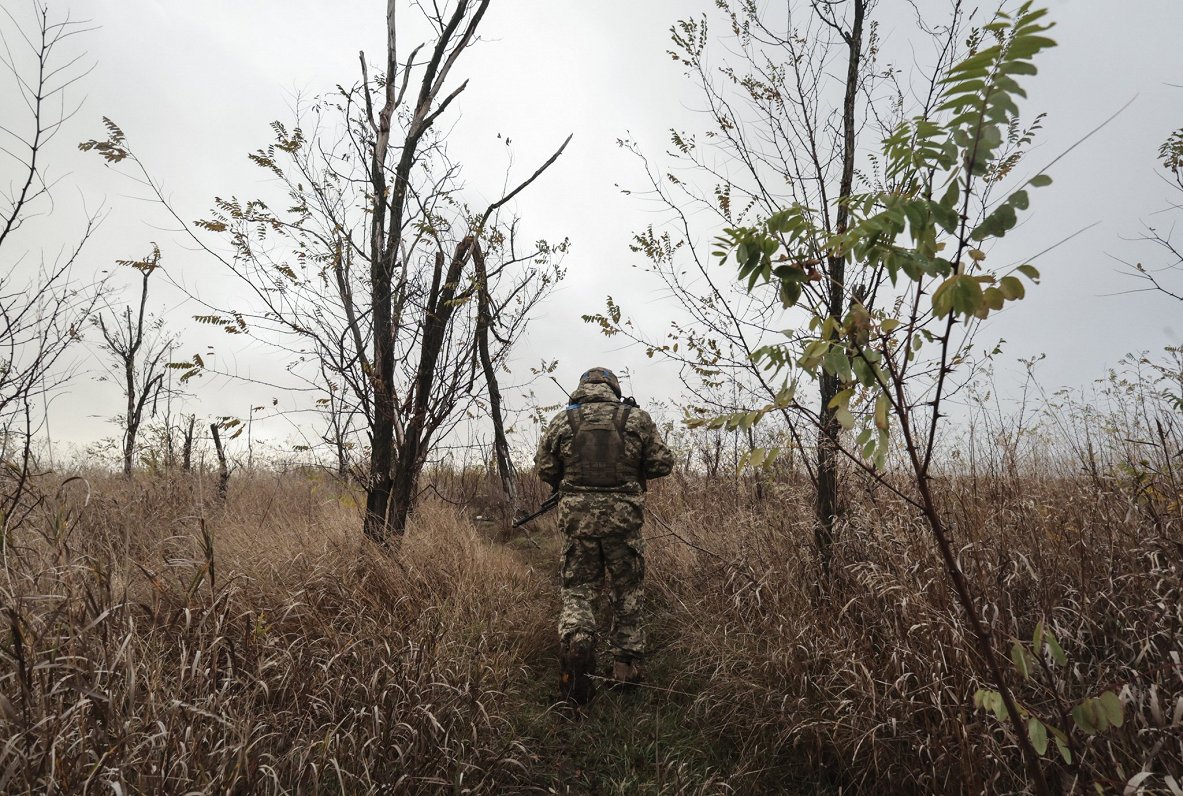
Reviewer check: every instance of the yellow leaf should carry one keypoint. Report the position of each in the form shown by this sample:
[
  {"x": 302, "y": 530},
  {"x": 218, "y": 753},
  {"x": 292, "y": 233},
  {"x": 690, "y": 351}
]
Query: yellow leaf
[{"x": 881, "y": 407}]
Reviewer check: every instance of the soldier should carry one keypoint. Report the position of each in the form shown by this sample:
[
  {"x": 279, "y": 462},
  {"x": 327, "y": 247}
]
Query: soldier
[{"x": 598, "y": 454}]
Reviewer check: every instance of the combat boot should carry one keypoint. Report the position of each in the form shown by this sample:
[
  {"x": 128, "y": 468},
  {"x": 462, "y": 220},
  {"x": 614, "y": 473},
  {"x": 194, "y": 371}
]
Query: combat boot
[
  {"x": 626, "y": 674},
  {"x": 577, "y": 661}
]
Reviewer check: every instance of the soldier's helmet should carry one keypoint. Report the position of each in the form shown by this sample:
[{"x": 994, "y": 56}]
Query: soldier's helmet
[{"x": 601, "y": 376}]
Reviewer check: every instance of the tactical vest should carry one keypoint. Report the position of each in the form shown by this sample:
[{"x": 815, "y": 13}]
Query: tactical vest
[{"x": 598, "y": 456}]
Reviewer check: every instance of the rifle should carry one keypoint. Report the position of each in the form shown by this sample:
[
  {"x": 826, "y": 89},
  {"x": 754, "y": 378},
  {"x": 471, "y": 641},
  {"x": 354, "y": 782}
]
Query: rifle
[
  {"x": 547, "y": 505},
  {"x": 628, "y": 400}
]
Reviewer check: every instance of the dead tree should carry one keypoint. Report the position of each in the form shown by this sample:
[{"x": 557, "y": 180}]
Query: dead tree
[
  {"x": 139, "y": 353},
  {"x": 1162, "y": 274},
  {"x": 392, "y": 480},
  {"x": 223, "y": 465},
  {"x": 187, "y": 445},
  {"x": 43, "y": 309},
  {"x": 485, "y": 320},
  {"x": 367, "y": 276}
]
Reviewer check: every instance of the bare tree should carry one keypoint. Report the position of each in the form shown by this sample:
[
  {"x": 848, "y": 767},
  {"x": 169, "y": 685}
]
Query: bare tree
[
  {"x": 223, "y": 465},
  {"x": 42, "y": 307},
  {"x": 1163, "y": 276},
  {"x": 341, "y": 416},
  {"x": 187, "y": 443},
  {"x": 367, "y": 280},
  {"x": 393, "y": 475},
  {"x": 139, "y": 352},
  {"x": 484, "y": 326}
]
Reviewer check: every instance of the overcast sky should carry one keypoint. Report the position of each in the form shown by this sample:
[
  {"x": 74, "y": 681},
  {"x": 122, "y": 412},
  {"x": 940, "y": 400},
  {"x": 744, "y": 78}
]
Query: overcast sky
[{"x": 195, "y": 85}]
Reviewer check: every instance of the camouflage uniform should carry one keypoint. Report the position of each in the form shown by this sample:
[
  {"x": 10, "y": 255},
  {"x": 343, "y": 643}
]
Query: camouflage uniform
[{"x": 602, "y": 526}]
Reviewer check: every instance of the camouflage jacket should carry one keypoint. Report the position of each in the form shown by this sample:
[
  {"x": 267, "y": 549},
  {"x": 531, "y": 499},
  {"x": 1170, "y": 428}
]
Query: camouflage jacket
[{"x": 642, "y": 443}]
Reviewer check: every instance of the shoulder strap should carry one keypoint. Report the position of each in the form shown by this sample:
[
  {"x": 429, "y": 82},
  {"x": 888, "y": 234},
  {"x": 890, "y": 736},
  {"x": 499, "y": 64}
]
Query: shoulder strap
[
  {"x": 622, "y": 418},
  {"x": 574, "y": 420}
]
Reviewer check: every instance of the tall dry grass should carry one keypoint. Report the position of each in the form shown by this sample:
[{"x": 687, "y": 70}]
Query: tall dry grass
[
  {"x": 866, "y": 685},
  {"x": 160, "y": 643},
  {"x": 156, "y": 641}
]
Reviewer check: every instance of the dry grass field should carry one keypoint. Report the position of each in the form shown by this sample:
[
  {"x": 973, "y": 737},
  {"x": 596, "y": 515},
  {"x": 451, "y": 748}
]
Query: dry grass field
[{"x": 156, "y": 641}]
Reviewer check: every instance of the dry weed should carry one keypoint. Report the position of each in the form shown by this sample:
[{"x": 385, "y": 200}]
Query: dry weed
[{"x": 157, "y": 641}]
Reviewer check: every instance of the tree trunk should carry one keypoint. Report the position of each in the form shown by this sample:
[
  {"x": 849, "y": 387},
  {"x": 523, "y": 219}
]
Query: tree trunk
[
  {"x": 826, "y": 500},
  {"x": 500, "y": 443},
  {"x": 384, "y": 254},
  {"x": 342, "y": 455},
  {"x": 223, "y": 468},
  {"x": 827, "y": 503},
  {"x": 441, "y": 305},
  {"x": 187, "y": 446},
  {"x": 381, "y": 457},
  {"x": 129, "y": 431}
]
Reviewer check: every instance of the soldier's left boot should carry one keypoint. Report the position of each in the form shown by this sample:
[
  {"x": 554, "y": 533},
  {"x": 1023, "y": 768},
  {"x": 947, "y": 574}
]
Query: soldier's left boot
[{"x": 577, "y": 662}]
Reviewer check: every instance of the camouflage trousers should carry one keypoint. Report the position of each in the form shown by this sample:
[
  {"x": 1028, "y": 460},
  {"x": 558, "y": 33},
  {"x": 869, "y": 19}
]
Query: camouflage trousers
[{"x": 603, "y": 547}]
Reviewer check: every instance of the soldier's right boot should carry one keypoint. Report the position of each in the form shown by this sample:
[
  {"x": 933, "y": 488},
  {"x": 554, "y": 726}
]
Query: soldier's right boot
[
  {"x": 625, "y": 674},
  {"x": 577, "y": 661}
]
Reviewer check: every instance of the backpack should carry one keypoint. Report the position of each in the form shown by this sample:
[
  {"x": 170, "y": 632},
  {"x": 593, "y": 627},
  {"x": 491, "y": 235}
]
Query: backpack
[{"x": 598, "y": 456}]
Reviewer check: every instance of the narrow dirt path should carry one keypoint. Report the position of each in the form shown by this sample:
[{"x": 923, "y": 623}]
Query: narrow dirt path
[{"x": 625, "y": 742}]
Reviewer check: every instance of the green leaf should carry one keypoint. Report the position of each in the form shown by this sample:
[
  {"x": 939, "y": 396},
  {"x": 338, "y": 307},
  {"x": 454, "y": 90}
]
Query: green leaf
[
  {"x": 882, "y": 404},
  {"x": 790, "y": 293},
  {"x": 952, "y": 194},
  {"x": 1037, "y": 639},
  {"x": 1038, "y": 734},
  {"x": 1096, "y": 712},
  {"x": 1065, "y": 752},
  {"x": 1029, "y": 271},
  {"x": 863, "y": 372},
  {"x": 946, "y": 215},
  {"x": 844, "y": 418},
  {"x": 836, "y": 363},
  {"x": 1111, "y": 704},
  {"x": 1018, "y": 656},
  {"x": 961, "y": 294},
  {"x": 1056, "y": 650},
  {"x": 1083, "y": 720},
  {"x": 813, "y": 354},
  {"x": 1040, "y": 181},
  {"x": 997, "y": 224},
  {"x": 1089, "y": 717},
  {"x": 942, "y": 299},
  {"x": 993, "y": 298},
  {"x": 999, "y": 707},
  {"x": 881, "y": 450},
  {"x": 842, "y": 399},
  {"x": 992, "y": 701},
  {"x": 1012, "y": 288}
]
